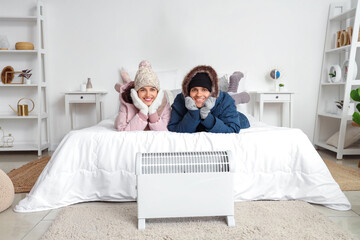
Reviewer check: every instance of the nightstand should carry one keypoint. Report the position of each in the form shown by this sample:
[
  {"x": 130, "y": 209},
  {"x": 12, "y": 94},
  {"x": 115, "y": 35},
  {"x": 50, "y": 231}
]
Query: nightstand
[
  {"x": 83, "y": 97},
  {"x": 275, "y": 97}
]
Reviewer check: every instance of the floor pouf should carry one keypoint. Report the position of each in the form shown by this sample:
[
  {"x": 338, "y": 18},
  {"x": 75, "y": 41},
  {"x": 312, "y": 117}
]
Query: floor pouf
[{"x": 7, "y": 192}]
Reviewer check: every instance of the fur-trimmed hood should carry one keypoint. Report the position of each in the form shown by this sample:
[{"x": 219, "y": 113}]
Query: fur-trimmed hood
[{"x": 205, "y": 69}]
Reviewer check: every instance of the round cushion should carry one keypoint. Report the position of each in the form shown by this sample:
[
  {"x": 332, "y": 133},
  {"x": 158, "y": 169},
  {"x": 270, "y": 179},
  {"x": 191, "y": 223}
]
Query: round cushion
[{"x": 7, "y": 191}]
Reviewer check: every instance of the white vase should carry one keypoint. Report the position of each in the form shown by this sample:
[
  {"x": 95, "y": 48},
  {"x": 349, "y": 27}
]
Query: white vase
[
  {"x": 276, "y": 87},
  {"x": 331, "y": 106},
  {"x": 4, "y": 42}
]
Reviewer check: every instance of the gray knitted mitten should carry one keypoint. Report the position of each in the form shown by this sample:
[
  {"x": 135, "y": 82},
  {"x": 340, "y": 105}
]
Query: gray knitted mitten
[
  {"x": 190, "y": 103},
  {"x": 208, "y": 105}
]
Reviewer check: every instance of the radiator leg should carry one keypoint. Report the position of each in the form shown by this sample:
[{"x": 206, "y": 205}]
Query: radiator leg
[
  {"x": 141, "y": 223},
  {"x": 230, "y": 221}
]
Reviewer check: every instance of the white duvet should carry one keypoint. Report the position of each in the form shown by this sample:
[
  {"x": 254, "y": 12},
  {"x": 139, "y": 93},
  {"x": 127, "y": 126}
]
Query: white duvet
[{"x": 98, "y": 164}]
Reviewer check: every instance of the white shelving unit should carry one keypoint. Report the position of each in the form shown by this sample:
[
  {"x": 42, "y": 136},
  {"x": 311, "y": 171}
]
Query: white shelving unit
[
  {"x": 38, "y": 86},
  {"x": 340, "y": 18}
]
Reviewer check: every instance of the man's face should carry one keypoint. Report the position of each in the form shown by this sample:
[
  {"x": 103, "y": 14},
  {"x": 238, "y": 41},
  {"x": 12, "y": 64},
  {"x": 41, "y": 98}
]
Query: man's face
[{"x": 199, "y": 95}]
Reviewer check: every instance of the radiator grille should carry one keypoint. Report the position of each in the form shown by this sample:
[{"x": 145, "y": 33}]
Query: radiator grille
[{"x": 185, "y": 162}]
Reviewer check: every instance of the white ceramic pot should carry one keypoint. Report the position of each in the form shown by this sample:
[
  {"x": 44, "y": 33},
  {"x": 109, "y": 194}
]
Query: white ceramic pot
[{"x": 334, "y": 69}]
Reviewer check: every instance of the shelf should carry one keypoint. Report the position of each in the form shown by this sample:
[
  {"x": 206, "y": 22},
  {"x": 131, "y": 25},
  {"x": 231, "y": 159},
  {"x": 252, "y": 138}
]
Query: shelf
[
  {"x": 34, "y": 26},
  {"x": 352, "y": 150},
  {"x": 345, "y": 15},
  {"x": 24, "y": 147},
  {"x": 339, "y": 49},
  {"x": 41, "y": 51},
  {"x": 31, "y": 116},
  {"x": 333, "y": 84},
  {"x": 344, "y": 48},
  {"x": 22, "y": 85},
  {"x": 340, "y": 17},
  {"x": 18, "y": 51},
  {"x": 19, "y": 18},
  {"x": 337, "y": 116},
  {"x": 353, "y": 83}
]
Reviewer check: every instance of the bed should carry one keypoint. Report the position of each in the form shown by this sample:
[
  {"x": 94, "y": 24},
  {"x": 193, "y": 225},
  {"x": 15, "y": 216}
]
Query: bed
[{"x": 98, "y": 164}]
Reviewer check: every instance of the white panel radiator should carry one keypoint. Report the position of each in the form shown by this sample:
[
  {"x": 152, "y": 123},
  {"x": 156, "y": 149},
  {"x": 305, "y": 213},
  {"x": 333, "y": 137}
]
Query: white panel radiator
[{"x": 185, "y": 184}]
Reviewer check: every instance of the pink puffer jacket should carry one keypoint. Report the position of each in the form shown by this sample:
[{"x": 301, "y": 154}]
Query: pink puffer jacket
[{"x": 131, "y": 119}]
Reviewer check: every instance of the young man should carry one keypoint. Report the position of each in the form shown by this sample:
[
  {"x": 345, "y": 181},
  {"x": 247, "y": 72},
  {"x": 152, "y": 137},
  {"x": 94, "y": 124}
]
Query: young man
[{"x": 202, "y": 107}]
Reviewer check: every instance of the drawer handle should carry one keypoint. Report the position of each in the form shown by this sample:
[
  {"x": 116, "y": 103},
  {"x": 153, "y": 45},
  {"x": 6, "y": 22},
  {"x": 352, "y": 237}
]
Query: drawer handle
[
  {"x": 81, "y": 97},
  {"x": 277, "y": 97}
]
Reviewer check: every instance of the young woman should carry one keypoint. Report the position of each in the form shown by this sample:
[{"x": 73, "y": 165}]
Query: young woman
[
  {"x": 143, "y": 104},
  {"x": 202, "y": 107}
]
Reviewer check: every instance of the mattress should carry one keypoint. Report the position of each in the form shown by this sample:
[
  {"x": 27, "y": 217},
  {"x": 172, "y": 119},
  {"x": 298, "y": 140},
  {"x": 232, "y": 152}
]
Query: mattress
[{"x": 98, "y": 164}]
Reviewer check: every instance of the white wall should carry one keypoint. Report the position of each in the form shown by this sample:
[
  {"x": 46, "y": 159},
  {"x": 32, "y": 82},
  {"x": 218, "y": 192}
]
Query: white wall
[{"x": 96, "y": 38}]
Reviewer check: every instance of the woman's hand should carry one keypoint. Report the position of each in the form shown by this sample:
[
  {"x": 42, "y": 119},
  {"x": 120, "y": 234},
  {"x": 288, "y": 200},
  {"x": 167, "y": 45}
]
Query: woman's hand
[
  {"x": 190, "y": 103},
  {"x": 138, "y": 103},
  {"x": 157, "y": 102},
  {"x": 208, "y": 105}
]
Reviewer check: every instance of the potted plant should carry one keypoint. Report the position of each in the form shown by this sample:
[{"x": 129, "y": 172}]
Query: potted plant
[
  {"x": 281, "y": 87},
  {"x": 355, "y": 95},
  {"x": 26, "y": 74},
  {"x": 340, "y": 104}
]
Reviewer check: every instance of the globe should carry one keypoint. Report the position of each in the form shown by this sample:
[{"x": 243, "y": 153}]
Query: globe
[{"x": 275, "y": 74}]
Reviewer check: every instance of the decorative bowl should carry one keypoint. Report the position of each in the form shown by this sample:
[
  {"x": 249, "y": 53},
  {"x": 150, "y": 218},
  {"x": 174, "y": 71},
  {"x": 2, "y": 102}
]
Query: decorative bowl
[{"x": 24, "y": 46}]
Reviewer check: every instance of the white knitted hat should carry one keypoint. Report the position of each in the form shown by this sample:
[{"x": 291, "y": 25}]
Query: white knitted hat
[{"x": 145, "y": 77}]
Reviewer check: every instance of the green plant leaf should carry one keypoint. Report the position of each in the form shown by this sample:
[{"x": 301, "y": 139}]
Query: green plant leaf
[
  {"x": 358, "y": 107},
  {"x": 356, "y": 117},
  {"x": 355, "y": 95}
]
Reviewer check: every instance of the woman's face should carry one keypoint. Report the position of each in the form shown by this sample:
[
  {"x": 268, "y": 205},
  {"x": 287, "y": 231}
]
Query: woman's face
[
  {"x": 199, "y": 95},
  {"x": 147, "y": 95}
]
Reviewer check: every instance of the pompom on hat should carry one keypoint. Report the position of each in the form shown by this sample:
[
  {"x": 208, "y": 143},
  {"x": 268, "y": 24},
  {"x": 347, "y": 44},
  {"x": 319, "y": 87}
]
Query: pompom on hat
[{"x": 146, "y": 77}]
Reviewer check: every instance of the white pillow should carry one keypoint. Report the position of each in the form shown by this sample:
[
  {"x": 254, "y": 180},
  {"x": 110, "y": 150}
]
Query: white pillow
[
  {"x": 254, "y": 122},
  {"x": 224, "y": 83},
  {"x": 171, "y": 95},
  {"x": 168, "y": 79},
  {"x": 243, "y": 108},
  {"x": 352, "y": 135}
]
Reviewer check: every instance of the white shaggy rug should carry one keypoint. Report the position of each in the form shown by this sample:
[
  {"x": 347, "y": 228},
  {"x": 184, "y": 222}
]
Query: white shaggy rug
[{"x": 254, "y": 220}]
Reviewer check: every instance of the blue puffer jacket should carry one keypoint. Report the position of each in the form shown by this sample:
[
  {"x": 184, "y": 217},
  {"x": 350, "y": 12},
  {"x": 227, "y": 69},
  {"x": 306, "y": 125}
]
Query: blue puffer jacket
[{"x": 223, "y": 117}]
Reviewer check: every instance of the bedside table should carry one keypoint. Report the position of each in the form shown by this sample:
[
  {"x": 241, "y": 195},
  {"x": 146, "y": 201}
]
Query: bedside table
[
  {"x": 275, "y": 97},
  {"x": 83, "y": 97}
]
